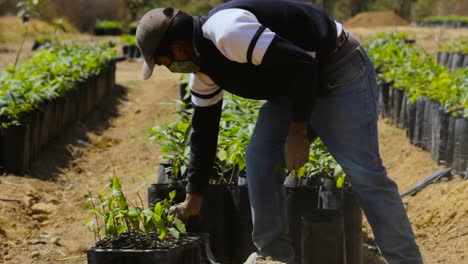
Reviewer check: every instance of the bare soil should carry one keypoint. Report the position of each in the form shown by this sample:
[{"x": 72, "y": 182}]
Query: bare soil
[
  {"x": 42, "y": 215},
  {"x": 375, "y": 19}
]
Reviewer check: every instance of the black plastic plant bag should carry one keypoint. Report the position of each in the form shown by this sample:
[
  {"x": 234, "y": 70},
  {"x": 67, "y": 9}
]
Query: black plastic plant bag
[
  {"x": 419, "y": 122},
  {"x": 450, "y": 140},
  {"x": 402, "y": 115},
  {"x": 241, "y": 224},
  {"x": 410, "y": 119},
  {"x": 460, "y": 152},
  {"x": 301, "y": 201},
  {"x": 397, "y": 102},
  {"x": 439, "y": 134},
  {"x": 322, "y": 237}
]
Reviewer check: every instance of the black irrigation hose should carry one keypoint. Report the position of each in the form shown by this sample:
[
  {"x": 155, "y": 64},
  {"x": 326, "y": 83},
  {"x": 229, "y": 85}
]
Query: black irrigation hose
[{"x": 427, "y": 181}]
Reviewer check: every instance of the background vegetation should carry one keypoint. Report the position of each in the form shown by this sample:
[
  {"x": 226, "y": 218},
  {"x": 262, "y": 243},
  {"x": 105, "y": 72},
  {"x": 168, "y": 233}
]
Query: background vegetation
[{"x": 84, "y": 13}]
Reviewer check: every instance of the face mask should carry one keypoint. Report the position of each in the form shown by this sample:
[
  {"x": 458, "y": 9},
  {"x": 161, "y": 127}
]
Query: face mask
[{"x": 183, "y": 67}]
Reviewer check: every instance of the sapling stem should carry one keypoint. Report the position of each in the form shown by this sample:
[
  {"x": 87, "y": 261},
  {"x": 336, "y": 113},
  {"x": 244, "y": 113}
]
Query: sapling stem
[
  {"x": 98, "y": 227},
  {"x": 232, "y": 174},
  {"x": 20, "y": 49}
]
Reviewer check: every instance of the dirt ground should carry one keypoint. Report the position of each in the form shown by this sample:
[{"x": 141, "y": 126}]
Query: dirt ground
[
  {"x": 42, "y": 216},
  {"x": 375, "y": 19}
]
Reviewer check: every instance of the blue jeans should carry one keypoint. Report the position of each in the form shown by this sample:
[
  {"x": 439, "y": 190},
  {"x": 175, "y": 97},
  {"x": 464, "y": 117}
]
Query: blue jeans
[{"x": 346, "y": 121}]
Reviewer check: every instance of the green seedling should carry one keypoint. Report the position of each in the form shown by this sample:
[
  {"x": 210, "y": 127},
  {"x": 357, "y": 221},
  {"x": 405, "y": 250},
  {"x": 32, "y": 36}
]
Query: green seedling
[{"x": 113, "y": 214}]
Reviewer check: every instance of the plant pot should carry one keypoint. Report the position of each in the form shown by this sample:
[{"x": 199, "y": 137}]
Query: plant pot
[
  {"x": 389, "y": 107},
  {"x": 92, "y": 93},
  {"x": 347, "y": 202},
  {"x": 72, "y": 100},
  {"x": 439, "y": 134},
  {"x": 384, "y": 99},
  {"x": 442, "y": 57},
  {"x": 126, "y": 51},
  {"x": 241, "y": 224},
  {"x": 82, "y": 105},
  {"x": 448, "y": 64},
  {"x": 16, "y": 147},
  {"x": 322, "y": 237},
  {"x": 457, "y": 61},
  {"x": 460, "y": 151},
  {"x": 429, "y": 109},
  {"x": 189, "y": 250},
  {"x": 410, "y": 119},
  {"x": 418, "y": 122},
  {"x": 450, "y": 140},
  {"x": 301, "y": 201},
  {"x": 402, "y": 115},
  {"x": 216, "y": 218},
  {"x": 397, "y": 101},
  {"x": 465, "y": 61}
]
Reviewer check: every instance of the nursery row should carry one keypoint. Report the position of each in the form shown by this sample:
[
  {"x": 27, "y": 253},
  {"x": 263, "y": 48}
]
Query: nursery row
[
  {"x": 454, "y": 55},
  {"x": 444, "y": 21},
  {"x": 113, "y": 28},
  {"x": 402, "y": 65},
  {"x": 55, "y": 88},
  {"x": 426, "y": 99}
]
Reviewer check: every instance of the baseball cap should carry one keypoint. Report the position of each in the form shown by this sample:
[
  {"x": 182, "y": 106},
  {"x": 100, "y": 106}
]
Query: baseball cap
[{"x": 150, "y": 31}]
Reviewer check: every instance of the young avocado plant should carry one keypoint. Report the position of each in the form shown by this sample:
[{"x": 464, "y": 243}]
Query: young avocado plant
[{"x": 114, "y": 217}]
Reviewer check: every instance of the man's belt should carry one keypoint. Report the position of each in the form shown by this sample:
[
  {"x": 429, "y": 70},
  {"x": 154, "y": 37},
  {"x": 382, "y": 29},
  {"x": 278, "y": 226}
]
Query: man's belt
[{"x": 345, "y": 44}]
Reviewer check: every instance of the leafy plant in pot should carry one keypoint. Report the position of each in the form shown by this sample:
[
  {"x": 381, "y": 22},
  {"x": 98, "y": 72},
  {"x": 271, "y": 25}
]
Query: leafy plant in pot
[{"x": 128, "y": 233}]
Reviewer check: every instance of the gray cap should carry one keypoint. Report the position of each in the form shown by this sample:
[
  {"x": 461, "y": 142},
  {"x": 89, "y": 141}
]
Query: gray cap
[{"x": 150, "y": 31}]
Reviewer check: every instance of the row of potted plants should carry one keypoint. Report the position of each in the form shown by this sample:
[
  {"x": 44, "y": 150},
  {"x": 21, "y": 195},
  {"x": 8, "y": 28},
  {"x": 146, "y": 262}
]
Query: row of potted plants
[
  {"x": 425, "y": 98},
  {"x": 130, "y": 49},
  {"x": 113, "y": 28},
  {"x": 454, "y": 55},
  {"x": 445, "y": 21},
  {"x": 226, "y": 215},
  {"x": 58, "y": 86}
]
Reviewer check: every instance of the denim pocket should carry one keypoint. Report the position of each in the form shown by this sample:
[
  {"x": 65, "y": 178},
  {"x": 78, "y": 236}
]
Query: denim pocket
[{"x": 340, "y": 82}]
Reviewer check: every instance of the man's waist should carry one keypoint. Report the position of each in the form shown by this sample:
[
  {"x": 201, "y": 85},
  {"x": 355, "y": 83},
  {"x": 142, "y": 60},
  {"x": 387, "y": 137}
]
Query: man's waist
[{"x": 346, "y": 43}]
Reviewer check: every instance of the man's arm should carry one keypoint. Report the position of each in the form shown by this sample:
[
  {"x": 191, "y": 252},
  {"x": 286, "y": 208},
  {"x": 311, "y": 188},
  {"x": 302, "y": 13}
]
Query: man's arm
[{"x": 207, "y": 101}]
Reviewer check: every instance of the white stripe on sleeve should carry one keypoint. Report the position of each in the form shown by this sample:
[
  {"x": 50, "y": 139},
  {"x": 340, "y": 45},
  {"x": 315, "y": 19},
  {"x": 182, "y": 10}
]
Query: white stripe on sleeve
[
  {"x": 202, "y": 84},
  {"x": 232, "y": 30},
  {"x": 339, "y": 28}
]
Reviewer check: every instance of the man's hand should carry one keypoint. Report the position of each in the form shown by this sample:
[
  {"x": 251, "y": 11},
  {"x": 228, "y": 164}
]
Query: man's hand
[
  {"x": 190, "y": 207},
  {"x": 296, "y": 149}
]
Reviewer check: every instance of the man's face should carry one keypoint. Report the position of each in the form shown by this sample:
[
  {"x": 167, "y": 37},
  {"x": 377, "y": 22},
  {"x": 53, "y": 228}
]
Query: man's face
[{"x": 174, "y": 52}]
